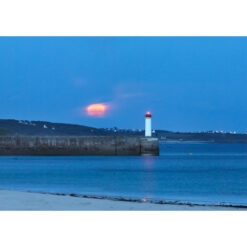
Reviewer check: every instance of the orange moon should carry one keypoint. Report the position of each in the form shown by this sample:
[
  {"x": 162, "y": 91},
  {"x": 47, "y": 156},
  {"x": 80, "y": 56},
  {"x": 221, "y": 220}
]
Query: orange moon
[{"x": 97, "y": 110}]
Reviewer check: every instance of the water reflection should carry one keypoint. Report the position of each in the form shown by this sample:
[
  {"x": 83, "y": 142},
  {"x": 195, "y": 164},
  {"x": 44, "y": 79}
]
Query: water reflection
[{"x": 148, "y": 183}]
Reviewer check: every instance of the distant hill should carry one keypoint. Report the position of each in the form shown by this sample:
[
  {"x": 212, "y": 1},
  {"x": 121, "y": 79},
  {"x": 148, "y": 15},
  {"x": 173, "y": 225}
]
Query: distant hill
[
  {"x": 209, "y": 137},
  {"x": 4, "y": 132},
  {"x": 42, "y": 128}
]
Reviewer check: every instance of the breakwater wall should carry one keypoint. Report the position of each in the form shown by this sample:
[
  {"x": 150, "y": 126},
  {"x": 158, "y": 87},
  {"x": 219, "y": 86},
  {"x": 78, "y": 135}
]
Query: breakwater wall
[{"x": 78, "y": 145}]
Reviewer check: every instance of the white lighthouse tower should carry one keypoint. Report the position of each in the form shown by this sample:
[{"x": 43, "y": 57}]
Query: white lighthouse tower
[{"x": 148, "y": 125}]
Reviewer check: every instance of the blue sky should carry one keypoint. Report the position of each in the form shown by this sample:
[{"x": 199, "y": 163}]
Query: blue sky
[{"x": 188, "y": 83}]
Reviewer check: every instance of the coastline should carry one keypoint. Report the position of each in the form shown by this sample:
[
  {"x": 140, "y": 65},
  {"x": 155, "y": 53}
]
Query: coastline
[{"x": 11, "y": 200}]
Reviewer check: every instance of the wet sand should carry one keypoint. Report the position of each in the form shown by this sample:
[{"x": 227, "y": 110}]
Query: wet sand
[{"x": 18, "y": 200}]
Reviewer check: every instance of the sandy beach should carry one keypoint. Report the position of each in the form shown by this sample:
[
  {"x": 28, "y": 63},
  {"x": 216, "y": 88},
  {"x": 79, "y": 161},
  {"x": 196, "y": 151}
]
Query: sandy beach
[{"x": 18, "y": 200}]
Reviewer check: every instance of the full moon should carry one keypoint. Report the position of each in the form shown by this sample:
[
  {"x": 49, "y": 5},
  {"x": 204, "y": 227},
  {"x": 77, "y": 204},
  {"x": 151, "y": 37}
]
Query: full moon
[{"x": 97, "y": 110}]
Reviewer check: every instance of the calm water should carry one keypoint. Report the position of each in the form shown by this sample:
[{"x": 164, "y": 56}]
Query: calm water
[{"x": 213, "y": 173}]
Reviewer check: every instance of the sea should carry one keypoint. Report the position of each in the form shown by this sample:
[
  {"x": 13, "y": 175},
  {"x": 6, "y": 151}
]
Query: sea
[{"x": 191, "y": 173}]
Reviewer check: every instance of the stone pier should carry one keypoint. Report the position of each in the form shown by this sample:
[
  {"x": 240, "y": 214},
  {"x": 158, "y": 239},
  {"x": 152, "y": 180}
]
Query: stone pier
[{"x": 78, "y": 145}]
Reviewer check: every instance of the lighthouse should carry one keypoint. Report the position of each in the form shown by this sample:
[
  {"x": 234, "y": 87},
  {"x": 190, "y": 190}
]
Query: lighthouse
[{"x": 148, "y": 125}]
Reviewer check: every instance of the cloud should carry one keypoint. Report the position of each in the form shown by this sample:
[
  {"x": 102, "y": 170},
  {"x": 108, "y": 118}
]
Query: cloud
[
  {"x": 130, "y": 95},
  {"x": 124, "y": 95}
]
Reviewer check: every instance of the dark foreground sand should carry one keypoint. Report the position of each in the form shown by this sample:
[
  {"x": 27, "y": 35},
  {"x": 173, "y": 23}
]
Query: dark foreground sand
[{"x": 17, "y": 200}]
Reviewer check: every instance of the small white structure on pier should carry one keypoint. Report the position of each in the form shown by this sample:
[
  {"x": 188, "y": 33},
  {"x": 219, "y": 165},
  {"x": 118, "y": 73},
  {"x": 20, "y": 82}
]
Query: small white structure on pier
[{"x": 148, "y": 125}]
